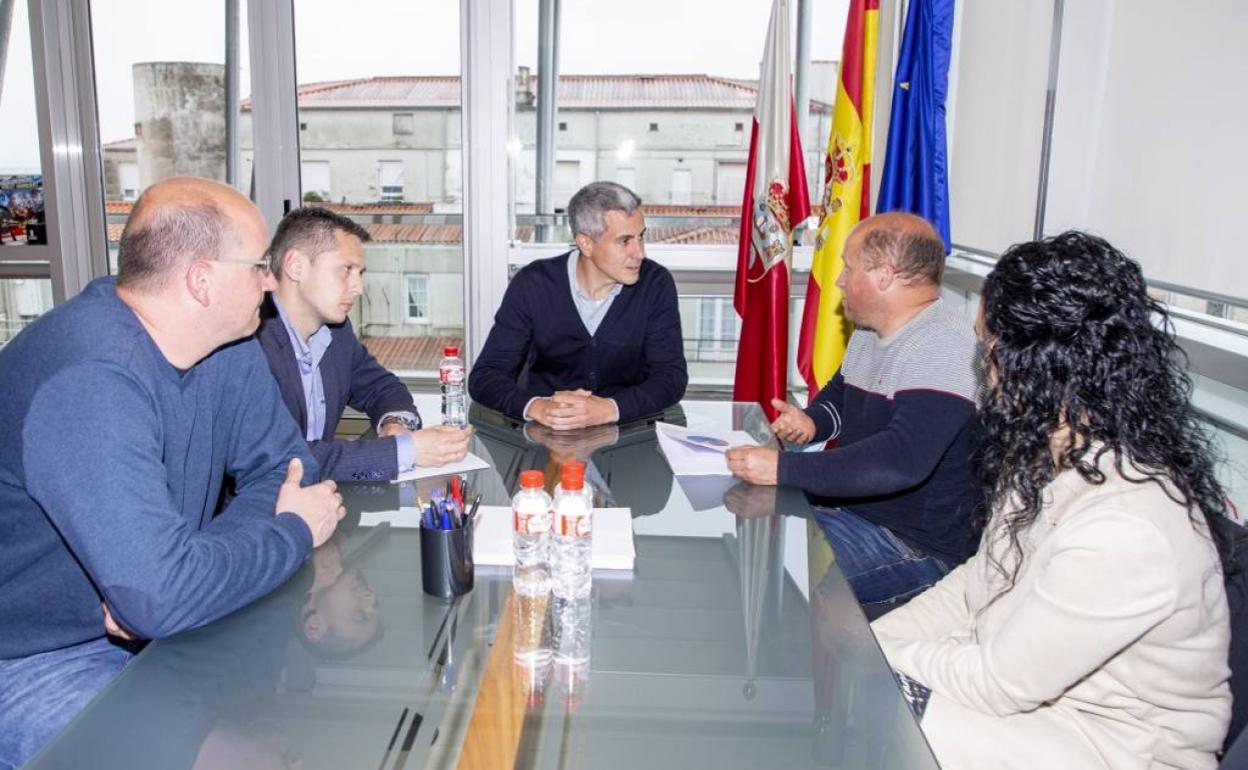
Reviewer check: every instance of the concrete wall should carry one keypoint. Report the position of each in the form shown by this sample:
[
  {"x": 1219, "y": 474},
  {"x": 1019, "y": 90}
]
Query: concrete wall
[{"x": 179, "y": 115}]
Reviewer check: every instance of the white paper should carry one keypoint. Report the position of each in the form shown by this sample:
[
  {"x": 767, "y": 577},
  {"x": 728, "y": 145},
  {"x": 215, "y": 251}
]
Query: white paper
[
  {"x": 470, "y": 463},
  {"x": 407, "y": 517},
  {"x": 612, "y": 547},
  {"x": 699, "y": 452}
]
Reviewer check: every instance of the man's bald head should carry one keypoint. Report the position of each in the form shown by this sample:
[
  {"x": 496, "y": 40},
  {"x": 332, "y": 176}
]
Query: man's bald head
[
  {"x": 177, "y": 221},
  {"x": 908, "y": 242}
]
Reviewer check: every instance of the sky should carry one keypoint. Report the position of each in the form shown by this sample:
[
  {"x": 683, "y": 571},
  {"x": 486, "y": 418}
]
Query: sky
[{"x": 401, "y": 37}]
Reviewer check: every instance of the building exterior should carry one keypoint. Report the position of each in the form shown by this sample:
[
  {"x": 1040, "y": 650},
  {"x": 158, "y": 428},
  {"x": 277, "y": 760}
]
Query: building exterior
[{"x": 386, "y": 151}]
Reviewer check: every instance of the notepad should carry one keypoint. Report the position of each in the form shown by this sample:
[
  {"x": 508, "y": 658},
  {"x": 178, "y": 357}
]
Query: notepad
[
  {"x": 612, "y": 547},
  {"x": 470, "y": 463}
]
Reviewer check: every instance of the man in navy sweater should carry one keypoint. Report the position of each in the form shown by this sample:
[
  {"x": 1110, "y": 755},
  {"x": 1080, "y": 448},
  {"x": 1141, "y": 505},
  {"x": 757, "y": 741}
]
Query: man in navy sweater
[
  {"x": 317, "y": 258},
  {"x": 124, "y": 411},
  {"x": 897, "y": 495},
  {"x": 591, "y": 336}
]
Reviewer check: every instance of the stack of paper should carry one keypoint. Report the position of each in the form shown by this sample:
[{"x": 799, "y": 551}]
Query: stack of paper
[
  {"x": 612, "y": 546},
  {"x": 699, "y": 452}
]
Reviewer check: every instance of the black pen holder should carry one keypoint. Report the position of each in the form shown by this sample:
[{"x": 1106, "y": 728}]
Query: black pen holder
[{"x": 446, "y": 567}]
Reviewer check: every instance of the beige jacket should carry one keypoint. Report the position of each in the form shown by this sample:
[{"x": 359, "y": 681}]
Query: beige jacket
[{"x": 1109, "y": 652}]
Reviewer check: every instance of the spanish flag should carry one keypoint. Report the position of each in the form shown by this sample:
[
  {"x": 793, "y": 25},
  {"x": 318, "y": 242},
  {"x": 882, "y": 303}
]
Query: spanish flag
[{"x": 846, "y": 201}]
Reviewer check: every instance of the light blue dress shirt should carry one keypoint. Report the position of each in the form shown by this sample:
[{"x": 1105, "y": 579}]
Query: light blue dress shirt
[{"x": 309, "y": 357}]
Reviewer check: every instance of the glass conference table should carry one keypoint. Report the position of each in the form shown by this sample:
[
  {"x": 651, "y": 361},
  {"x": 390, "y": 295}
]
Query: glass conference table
[{"x": 734, "y": 643}]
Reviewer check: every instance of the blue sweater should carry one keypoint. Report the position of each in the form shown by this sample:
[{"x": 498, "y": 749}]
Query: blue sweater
[
  {"x": 111, "y": 469},
  {"x": 539, "y": 344}
]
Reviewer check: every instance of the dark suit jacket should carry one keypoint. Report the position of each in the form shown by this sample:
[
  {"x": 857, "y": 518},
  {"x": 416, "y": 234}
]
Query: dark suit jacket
[
  {"x": 539, "y": 344},
  {"x": 351, "y": 377}
]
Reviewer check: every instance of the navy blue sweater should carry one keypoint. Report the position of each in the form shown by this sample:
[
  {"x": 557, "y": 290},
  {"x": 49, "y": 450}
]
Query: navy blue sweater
[
  {"x": 902, "y": 412},
  {"x": 539, "y": 344},
  {"x": 111, "y": 467}
]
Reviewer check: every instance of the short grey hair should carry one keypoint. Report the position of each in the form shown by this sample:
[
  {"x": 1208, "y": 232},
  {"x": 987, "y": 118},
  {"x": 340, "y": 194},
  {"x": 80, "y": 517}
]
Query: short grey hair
[{"x": 587, "y": 209}]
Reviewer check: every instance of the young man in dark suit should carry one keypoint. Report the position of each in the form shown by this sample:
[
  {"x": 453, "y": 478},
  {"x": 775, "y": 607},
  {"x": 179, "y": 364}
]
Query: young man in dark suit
[
  {"x": 317, "y": 259},
  {"x": 591, "y": 336}
]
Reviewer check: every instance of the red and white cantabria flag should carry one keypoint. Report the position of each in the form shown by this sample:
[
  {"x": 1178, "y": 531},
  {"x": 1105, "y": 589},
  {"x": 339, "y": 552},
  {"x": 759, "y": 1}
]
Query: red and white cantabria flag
[{"x": 776, "y": 202}]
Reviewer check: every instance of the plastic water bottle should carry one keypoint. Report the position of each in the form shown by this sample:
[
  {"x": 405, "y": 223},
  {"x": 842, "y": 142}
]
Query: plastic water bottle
[
  {"x": 454, "y": 396},
  {"x": 571, "y": 621},
  {"x": 532, "y": 653},
  {"x": 532, "y": 599},
  {"x": 570, "y": 567},
  {"x": 531, "y": 516}
]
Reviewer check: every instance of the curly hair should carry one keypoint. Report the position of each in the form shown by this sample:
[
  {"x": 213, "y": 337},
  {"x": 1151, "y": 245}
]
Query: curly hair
[{"x": 1073, "y": 341}]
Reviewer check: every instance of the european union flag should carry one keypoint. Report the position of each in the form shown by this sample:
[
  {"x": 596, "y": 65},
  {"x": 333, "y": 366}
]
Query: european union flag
[{"x": 916, "y": 170}]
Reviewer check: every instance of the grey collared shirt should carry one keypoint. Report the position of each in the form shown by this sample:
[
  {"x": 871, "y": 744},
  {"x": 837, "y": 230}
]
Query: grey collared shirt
[{"x": 591, "y": 311}]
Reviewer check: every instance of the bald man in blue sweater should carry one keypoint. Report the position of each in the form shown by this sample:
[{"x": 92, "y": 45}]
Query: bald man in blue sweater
[{"x": 124, "y": 411}]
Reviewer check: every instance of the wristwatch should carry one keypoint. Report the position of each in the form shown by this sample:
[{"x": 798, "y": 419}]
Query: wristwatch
[{"x": 406, "y": 422}]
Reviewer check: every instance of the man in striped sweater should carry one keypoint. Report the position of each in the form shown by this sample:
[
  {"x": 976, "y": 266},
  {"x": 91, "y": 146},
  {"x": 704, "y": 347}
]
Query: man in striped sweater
[{"x": 895, "y": 491}]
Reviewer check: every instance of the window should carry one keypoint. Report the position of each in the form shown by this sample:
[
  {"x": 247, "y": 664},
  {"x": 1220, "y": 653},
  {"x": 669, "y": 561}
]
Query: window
[
  {"x": 717, "y": 330},
  {"x": 128, "y": 180},
  {"x": 682, "y": 187},
  {"x": 418, "y": 299},
  {"x": 384, "y": 141},
  {"x": 704, "y": 118},
  {"x": 314, "y": 179},
  {"x": 21, "y": 300},
  {"x": 730, "y": 184},
  {"x": 567, "y": 181},
  {"x": 390, "y": 181}
]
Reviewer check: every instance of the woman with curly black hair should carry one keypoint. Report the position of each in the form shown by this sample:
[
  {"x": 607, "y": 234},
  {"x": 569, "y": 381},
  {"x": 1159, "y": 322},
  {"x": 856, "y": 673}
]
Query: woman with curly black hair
[{"x": 1091, "y": 628}]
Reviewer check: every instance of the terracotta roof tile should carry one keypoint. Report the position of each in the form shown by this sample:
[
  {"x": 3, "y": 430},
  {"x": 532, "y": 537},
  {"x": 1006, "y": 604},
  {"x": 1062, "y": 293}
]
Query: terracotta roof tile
[
  {"x": 409, "y": 352},
  {"x": 575, "y": 92},
  {"x": 365, "y": 209}
]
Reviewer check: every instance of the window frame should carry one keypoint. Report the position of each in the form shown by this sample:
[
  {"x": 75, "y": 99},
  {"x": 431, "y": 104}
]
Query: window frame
[{"x": 408, "y": 279}]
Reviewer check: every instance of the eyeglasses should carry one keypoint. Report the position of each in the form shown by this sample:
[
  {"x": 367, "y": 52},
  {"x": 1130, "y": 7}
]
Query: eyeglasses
[{"x": 259, "y": 265}]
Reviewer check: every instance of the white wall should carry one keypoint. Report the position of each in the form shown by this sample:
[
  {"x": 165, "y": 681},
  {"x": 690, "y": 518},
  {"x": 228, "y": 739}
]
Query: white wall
[
  {"x": 994, "y": 156},
  {"x": 1148, "y": 130},
  {"x": 1149, "y": 135}
]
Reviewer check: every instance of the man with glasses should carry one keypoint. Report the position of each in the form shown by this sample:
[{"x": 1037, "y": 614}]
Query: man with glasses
[
  {"x": 125, "y": 409},
  {"x": 591, "y": 336},
  {"x": 320, "y": 365}
]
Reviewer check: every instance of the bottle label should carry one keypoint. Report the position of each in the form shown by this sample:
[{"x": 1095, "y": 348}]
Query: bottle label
[
  {"x": 533, "y": 522},
  {"x": 576, "y": 526},
  {"x": 451, "y": 375}
]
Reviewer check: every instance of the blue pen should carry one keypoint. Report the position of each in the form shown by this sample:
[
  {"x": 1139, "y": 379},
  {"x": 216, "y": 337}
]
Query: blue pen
[
  {"x": 431, "y": 521},
  {"x": 446, "y": 517}
]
